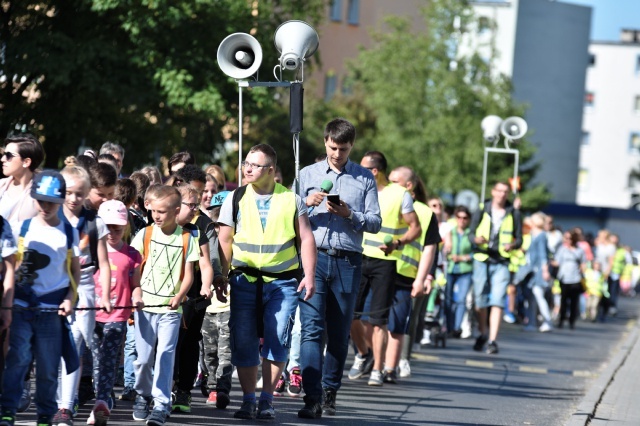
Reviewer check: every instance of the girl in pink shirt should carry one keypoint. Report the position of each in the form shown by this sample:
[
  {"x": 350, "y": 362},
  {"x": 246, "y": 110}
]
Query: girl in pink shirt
[{"x": 111, "y": 327}]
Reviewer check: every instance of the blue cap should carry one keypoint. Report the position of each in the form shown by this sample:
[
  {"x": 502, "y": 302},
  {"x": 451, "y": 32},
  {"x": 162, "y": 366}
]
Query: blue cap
[
  {"x": 49, "y": 185},
  {"x": 218, "y": 199}
]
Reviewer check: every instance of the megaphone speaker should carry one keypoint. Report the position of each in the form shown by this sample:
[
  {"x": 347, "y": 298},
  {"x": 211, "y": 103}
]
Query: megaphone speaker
[
  {"x": 239, "y": 55},
  {"x": 513, "y": 128},
  {"x": 491, "y": 127},
  {"x": 296, "y": 41}
]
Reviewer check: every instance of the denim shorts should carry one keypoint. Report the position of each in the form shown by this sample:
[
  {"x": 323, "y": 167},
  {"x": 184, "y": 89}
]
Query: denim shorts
[
  {"x": 280, "y": 300},
  {"x": 490, "y": 283},
  {"x": 400, "y": 314}
]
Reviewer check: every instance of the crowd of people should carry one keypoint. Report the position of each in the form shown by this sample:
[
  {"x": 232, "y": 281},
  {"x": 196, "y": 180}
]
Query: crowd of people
[{"x": 177, "y": 281}]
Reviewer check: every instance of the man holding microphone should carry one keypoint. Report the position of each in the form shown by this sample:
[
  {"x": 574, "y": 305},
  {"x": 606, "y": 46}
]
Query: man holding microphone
[{"x": 338, "y": 228}]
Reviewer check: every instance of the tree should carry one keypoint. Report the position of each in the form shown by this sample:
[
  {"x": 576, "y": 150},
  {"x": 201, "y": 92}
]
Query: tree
[
  {"x": 143, "y": 74},
  {"x": 428, "y": 100}
]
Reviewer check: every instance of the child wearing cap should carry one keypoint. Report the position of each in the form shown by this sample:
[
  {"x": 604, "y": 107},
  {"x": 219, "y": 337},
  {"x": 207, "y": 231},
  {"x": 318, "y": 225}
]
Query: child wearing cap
[
  {"x": 48, "y": 270},
  {"x": 93, "y": 257},
  {"x": 215, "y": 329},
  {"x": 125, "y": 291}
]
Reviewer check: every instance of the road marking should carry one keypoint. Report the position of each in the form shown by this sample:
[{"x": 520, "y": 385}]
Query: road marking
[
  {"x": 481, "y": 364},
  {"x": 424, "y": 357},
  {"x": 537, "y": 370}
]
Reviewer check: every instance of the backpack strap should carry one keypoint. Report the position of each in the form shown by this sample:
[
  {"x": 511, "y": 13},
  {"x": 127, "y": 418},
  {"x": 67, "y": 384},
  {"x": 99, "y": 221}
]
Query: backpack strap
[
  {"x": 68, "y": 229},
  {"x": 185, "y": 248},
  {"x": 145, "y": 247},
  {"x": 237, "y": 196},
  {"x": 23, "y": 231},
  {"x": 92, "y": 229}
]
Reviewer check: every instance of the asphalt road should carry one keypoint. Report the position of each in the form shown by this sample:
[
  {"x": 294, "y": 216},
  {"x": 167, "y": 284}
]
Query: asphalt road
[{"x": 536, "y": 379}]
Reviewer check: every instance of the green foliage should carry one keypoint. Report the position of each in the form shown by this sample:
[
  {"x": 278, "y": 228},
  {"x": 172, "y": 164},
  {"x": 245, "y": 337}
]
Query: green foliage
[
  {"x": 143, "y": 74},
  {"x": 427, "y": 111}
]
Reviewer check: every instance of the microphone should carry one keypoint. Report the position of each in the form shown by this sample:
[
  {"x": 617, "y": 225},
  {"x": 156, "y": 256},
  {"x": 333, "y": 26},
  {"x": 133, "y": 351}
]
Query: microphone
[
  {"x": 325, "y": 187},
  {"x": 387, "y": 241}
]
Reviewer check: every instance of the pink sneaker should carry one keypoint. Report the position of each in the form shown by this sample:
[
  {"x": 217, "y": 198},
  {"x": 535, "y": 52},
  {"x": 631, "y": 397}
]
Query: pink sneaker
[
  {"x": 100, "y": 414},
  {"x": 280, "y": 386},
  {"x": 295, "y": 382}
]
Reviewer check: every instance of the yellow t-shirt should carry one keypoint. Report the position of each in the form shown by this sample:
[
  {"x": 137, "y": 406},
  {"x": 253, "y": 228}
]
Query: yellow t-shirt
[{"x": 160, "y": 279}]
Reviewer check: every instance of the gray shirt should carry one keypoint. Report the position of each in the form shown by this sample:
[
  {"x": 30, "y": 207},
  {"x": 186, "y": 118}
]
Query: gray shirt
[
  {"x": 570, "y": 260},
  {"x": 357, "y": 188}
]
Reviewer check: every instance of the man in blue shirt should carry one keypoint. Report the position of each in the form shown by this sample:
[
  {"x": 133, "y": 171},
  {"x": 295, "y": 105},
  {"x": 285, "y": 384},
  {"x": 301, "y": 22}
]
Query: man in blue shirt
[{"x": 338, "y": 230}]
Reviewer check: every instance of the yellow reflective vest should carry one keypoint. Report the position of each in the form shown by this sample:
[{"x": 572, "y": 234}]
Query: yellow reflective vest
[
  {"x": 411, "y": 253},
  {"x": 390, "y": 200},
  {"x": 505, "y": 236},
  {"x": 272, "y": 249}
]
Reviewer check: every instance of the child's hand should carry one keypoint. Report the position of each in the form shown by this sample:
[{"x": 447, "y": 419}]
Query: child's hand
[
  {"x": 174, "y": 303},
  {"x": 206, "y": 291},
  {"x": 138, "y": 303},
  {"x": 106, "y": 304},
  {"x": 66, "y": 308}
]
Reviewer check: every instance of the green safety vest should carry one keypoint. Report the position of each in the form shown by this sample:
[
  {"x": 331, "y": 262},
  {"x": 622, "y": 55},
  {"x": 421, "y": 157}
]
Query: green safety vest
[
  {"x": 460, "y": 245},
  {"x": 619, "y": 261},
  {"x": 518, "y": 258},
  {"x": 272, "y": 249},
  {"x": 411, "y": 253},
  {"x": 505, "y": 236},
  {"x": 390, "y": 200}
]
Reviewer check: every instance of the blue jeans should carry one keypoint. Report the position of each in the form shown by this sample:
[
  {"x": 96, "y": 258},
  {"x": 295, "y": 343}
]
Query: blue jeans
[
  {"x": 455, "y": 299},
  {"x": 130, "y": 355},
  {"x": 40, "y": 338},
  {"x": 490, "y": 283},
  {"x": 337, "y": 284},
  {"x": 279, "y": 300}
]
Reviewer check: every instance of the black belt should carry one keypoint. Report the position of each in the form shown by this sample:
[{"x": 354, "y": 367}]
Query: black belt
[{"x": 337, "y": 253}]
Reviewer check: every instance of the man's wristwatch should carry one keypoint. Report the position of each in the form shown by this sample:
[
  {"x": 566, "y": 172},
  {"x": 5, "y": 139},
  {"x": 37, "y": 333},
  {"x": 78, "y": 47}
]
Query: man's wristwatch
[{"x": 399, "y": 243}]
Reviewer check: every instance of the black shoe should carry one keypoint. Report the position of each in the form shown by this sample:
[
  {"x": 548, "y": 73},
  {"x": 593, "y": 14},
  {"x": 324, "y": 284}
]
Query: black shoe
[
  {"x": 480, "y": 341},
  {"x": 329, "y": 405},
  {"x": 492, "y": 347},
  {"x": 312, "y": 408}
]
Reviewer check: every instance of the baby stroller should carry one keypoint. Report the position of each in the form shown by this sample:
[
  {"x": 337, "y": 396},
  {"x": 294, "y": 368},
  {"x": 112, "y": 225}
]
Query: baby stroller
[{"x": 435, "y": 333}]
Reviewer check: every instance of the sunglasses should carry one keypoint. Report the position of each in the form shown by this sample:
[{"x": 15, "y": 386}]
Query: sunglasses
[{"x": 10, "y": 155}]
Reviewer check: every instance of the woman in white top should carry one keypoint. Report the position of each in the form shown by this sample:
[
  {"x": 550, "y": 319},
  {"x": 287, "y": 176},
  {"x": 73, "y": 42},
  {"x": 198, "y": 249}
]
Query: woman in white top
[{"x": 22, "y": 155}]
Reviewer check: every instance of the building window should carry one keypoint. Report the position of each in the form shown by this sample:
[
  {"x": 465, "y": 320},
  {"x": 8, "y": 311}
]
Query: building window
[
  {"x": 585, "y": 138},
  {"x": 353, "y": 13},
  {"x": 634, "y": 143},
  {"x": 592, "y": 60},
  {"x": 638, "y": 65},
  {"x": 335, "y": 12},
  {"x": 636, "y": 104},
  {"x": 483, "y": 24},
  {"x": 330, "y": 85},
  {"x": 583, "y": 179},
  {"x": 589, "y": 99}
]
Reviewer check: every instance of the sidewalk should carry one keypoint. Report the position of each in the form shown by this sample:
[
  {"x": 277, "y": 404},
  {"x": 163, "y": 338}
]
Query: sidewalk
[{"x": 612, "y": 398}]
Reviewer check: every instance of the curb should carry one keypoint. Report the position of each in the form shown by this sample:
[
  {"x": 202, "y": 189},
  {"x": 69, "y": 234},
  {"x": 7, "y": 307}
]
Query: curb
[{"x": 588, "y": 405}]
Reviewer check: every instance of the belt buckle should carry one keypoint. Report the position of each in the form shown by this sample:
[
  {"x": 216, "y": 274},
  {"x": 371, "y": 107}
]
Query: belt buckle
[{"x": 332, "y": 252}]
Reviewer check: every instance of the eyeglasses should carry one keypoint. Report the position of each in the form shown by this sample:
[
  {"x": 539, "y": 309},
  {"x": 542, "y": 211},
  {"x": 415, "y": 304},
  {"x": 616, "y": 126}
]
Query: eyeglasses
[
  {"x": 192, "y": 206},
  {"x": 463, "y": 217},
  {"x": 9, "y": 155},
  {"x": 254, "y": 166}
]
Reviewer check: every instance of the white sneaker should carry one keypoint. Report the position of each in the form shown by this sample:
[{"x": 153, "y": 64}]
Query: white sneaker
[
  {"x": 545, "y": 327},
  {"x": 405, "y": 368},
  {"x": 426, "y": 338}
]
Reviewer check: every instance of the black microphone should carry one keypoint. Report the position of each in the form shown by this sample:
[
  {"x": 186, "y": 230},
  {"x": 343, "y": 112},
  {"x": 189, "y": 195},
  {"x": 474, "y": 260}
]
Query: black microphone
[{"x": 325, "y": 187}]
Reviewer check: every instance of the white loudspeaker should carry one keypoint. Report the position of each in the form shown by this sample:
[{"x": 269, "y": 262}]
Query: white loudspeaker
[
  {"x": 513, "y": 128},
  {"x": 296, "y": 41},
  {"x": 239, "y": 55},
  {"x": 491, "y": 128}
]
